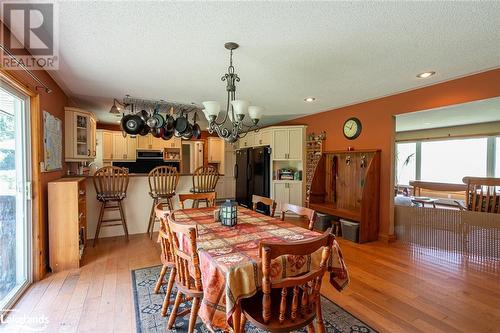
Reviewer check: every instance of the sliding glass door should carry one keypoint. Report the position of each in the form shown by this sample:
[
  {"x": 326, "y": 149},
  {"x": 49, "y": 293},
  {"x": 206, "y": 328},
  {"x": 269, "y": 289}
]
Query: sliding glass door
[{"x": 15, "y": 195}]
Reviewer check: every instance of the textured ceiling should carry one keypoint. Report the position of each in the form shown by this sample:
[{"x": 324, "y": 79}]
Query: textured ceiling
[
  {"x": 339, "y": 52},
  {"x": 483, "y": 111}
]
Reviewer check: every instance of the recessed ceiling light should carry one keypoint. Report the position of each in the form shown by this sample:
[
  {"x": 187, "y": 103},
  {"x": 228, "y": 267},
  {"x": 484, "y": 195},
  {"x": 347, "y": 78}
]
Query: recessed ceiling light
[
  {"x": 425, "y": 75},
  {"x": 309, "y": 99}
]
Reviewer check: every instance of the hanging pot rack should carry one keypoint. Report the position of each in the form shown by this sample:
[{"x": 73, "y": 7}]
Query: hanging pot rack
[{"x": 160, "y": 105}]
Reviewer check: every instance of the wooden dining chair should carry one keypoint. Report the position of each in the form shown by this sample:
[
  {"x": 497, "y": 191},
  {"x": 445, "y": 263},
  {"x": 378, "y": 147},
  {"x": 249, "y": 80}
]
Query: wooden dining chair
[
  {"x": 301, "y": 211},
  {"x": 166, "y": 256},
  {"x": 208, "y": 197},
  {"x": 188, "y": 277},
  {"x": 256, "y": 199},
  {"x": 163, "y": 182},
  {"x": 483, "y": 194},
  {"x": 111, "y": 185},
  {"x": 289, "y": 303},
  {"x": 205, "y": 179}
]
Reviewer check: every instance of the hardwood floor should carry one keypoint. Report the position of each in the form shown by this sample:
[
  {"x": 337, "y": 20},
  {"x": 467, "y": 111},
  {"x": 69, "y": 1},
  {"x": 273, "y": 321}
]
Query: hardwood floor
[{"x": 393, "y": 288}]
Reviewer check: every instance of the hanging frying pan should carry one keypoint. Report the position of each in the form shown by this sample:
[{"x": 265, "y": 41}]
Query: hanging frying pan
[
  {"x": 196, "y": 130},
  {"x": 156, "y": 120},
  {"x": 167, "y": 135},
  {"x": 188, "y": 133},
  {"x": 158, "y": 132},
  {"x": 169, "y": 120},
  {"x": 181, "y": 124}
]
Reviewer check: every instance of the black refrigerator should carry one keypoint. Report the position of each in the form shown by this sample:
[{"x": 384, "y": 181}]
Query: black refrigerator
[{"x": 253, "y": 175}]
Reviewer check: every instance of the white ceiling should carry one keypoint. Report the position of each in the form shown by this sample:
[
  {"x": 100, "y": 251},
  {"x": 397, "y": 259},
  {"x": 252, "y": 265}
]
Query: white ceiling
[
  {"x": 483, "y": 111},
  {"x": 339, "y": 52}
]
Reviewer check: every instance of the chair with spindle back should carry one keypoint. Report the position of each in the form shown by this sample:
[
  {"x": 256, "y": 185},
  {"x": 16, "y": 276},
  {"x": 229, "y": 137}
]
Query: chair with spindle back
[
  {"x": 163, "y": 182},
  {"x": 287, "y": 304},
  {"x": 256, "y": 199},
  {"x": 166, "y": 257},
  {"x": 188, "y": 277},
  {"x": 204, "y": 180},
  {"x": 111, "y": 185},
  {"x": 209, "y": 197},
  {"x": 301, "y": 211},
  {"x": 483, "y": 194}
]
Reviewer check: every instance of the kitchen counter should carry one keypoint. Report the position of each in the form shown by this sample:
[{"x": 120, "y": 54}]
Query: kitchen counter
[
  {"x": 130, "y": 175},
  {"x": 137, "y": 204}
]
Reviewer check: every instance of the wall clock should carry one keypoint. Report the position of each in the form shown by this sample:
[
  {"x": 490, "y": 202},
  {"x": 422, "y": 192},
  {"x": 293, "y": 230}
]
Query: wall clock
[{"x": 352, "y": 128}]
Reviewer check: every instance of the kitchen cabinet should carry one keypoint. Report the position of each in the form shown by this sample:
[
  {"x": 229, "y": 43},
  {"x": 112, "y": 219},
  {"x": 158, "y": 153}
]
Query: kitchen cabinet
[
  {"x": 248, "y": 140},
  {"x": 80, "y": 135},
  {"x": 263, "y": 138},
  {"x": 288, "y": 144},
  {"x": 107, "y": 145},
  {"x": 145, "y": 142},
  {"x": 172, "y": 143},
  {"x": 216, "y": 147},
  {"x": 67, "y": 209},
  {"x": 124, "y": 148},
  {"x": 288, "y": 192},
  {"x": 149, "y": 142}
]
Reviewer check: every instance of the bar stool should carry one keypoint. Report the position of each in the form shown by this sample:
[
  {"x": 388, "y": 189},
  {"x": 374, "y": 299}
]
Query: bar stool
[
  {"x": 204, "y": 180},
  {"x": 111, "y": 187},
  {"x": 163, "y": 181}
]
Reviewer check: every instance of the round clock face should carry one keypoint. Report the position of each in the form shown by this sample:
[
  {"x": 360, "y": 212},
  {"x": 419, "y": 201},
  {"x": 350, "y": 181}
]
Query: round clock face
[{"x": 352, "y": 128}]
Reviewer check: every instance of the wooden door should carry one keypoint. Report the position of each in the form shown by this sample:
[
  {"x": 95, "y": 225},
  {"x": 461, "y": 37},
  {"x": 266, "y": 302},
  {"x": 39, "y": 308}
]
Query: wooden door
[
  {"x": 119, "y": 146},
  {"x": 131, "y": 147},
  {"x": 280, "y": 193},
  {"x": 107, "y": 145},
  {"x": 144, "y": 142},
  {"x": 281, "y": 143},
  {"x": 295, "y": 193},
  {"x": 295, "y": 144}
]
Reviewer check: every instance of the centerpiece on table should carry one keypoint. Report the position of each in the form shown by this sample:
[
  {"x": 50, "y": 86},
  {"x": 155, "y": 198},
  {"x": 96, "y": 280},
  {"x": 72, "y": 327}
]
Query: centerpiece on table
[{"x": 228, "y": 213}]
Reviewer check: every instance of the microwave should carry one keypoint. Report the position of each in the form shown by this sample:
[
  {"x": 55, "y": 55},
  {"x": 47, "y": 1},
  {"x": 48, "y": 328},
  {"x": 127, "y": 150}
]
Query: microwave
[{"x": 149, "y": 155}]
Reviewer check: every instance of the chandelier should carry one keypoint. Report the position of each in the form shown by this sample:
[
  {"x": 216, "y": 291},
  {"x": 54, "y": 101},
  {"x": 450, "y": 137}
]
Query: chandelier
[{"x": 232, "y": 126}]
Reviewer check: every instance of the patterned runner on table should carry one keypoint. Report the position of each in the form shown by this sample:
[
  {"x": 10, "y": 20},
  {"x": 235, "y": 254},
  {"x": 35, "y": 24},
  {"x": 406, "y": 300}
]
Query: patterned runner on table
[{"x": 230, "y": 262}]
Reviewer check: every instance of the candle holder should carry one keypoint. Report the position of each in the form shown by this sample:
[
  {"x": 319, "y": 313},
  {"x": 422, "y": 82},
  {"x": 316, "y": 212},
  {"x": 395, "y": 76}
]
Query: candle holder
[{"x": 229, "y": 213}]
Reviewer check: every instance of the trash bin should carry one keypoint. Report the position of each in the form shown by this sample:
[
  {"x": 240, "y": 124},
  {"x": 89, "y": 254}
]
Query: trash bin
[
  {"x": 323, "y": 221},
  {"x": 350, "y": 230}
]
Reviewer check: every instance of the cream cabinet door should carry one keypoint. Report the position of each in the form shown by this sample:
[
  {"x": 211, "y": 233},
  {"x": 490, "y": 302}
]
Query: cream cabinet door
[
  {"x": 281, "y": 143},
  {"x": 119, "y": 147},
  {"x": 173, "y": 143},
  {"x": 263, "y": 138},
  {"x": 295, "y": 193},
  {"x": 248, "y": 140},
  {"x": 93, "y": 134},
  {"x": 215, "y": 150},
  {"x": 107, "y": 146},
  {"x": 131, "y": 147},
  {"x": 295, "y": 144},
  {"x": 144, "y": 142},
  {"x": 280, "y": 193},
  {"x": 158, "y": 143}
]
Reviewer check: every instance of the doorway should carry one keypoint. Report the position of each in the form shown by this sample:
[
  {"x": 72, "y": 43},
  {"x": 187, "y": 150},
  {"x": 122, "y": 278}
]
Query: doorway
[{"x": 15, "y": 195}]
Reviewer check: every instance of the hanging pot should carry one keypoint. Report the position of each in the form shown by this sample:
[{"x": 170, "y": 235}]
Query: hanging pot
[
  {"x": 133, "y": 124},
  {"x": 157, "y": 132},
  {"x": 167, "y": 135},
  {"x": 181, "y": 124},
  {"x": 188, "y": 133},
  {"x": 144, "y": 130},
  {"x": 169, "y": 120},
  {"x": 196, "y": 130},
  {"x": 156, "y": 120},
  {"x": 177, "y": 134}
]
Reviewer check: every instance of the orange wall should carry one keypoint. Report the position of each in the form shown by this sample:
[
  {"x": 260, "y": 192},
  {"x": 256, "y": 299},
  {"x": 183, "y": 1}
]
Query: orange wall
[
  {"x": 53, "y": 103},
  {"x": 377, "y": 117}
]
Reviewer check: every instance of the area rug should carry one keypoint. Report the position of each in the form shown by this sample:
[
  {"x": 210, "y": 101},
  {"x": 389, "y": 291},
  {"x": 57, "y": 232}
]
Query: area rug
[{"x": 149, "y": 319}]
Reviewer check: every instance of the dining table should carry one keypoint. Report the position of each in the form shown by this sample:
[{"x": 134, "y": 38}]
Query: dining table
[{"x": 230, "y": 262}]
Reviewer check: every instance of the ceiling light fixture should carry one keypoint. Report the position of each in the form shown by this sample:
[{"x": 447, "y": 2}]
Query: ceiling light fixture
[
  {"x": 309, "y": 99},
  {"x": 425, "y": 75},
  {"x": 235, "y": 109},
  {"x": 114, "y": 109}
]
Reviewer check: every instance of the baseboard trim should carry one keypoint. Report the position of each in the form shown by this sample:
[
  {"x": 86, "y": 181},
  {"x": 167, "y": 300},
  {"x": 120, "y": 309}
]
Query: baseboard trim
[{"x": 387, "y": 238}]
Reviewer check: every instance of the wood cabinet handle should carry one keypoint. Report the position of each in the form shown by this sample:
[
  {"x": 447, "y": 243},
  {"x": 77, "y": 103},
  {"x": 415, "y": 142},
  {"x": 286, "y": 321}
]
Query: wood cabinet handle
[{"x": 88, "y": 152}]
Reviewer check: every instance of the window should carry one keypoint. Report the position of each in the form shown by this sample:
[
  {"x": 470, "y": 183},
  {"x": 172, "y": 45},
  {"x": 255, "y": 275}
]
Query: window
[{"x": 405, "y": 162}]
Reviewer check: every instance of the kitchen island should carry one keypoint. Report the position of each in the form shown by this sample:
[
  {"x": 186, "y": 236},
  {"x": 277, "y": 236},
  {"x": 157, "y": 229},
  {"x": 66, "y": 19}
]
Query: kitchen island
[{"x": 137, "y": 204}]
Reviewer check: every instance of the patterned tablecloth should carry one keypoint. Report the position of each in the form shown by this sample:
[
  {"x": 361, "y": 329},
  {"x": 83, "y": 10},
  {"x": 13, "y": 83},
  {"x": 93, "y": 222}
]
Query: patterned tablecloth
[{"x": 230, "y": 262}]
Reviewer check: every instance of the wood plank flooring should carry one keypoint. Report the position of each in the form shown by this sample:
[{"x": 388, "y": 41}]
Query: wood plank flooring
[{"x": 394, "y": 288}]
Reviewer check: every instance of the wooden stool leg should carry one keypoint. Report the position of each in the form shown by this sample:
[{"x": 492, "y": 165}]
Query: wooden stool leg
[
  {"x": 319, "y": 316},
  {"x": 99, "y": 222},
  {"x": 124, "y": 221},
  {"x": 173, "y": 314},
  {"x": 151, "y": 219},
  {"x": 160, "y": 278},
  {"x": 170, "y": 286},
  {"x": 194, "y": 314}
]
